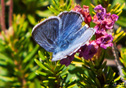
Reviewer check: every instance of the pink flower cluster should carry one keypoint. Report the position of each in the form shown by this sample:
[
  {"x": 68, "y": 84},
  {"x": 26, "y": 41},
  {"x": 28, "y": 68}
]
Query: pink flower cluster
[
  {"x": 103, "y": 19},
  {"x": 85, "y": 12},
  {"x": 104, "y": 22}
]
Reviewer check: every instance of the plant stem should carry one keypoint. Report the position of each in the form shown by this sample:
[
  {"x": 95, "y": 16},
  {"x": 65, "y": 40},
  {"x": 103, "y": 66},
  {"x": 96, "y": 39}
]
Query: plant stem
[
  {"x": 21, "y": 78},
  {"x": 98, "y": 54},
  {"x": 119, "y": 66},
  {"x": 23, "y": 82},
  {"x": 3, "y": 26},
  {"x": 10, "y": 13}
]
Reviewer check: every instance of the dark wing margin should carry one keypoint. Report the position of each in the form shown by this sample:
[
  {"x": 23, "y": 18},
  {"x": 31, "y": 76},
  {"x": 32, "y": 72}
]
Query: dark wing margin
[{"x": 46, "y": 33}]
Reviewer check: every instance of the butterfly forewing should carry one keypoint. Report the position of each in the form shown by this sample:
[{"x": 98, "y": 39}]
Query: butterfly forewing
[
  {"x": 46, "y": 33},
  {"x": 71, "y": 22}
]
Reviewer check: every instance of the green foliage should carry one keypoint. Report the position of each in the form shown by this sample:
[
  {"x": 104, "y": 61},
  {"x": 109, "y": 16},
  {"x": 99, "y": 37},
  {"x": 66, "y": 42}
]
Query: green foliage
[
  {"x": 30, "y": 6},
  {"x": 122, "y": 5},
  {"x": 120, "y": 2},
  {"x": 33, "y": 9},
  {"x": 17, "y": 55},
  {"x": 117, "y": 9},
  {"x": 24, "y": 65},
  {"x": 123, "y": 60},
  {"x": 119, "y": 34},
  {"x": 51, "y": 73},
  {"x": 60, "y": 6},
  {"x": 95, "y": 74}
]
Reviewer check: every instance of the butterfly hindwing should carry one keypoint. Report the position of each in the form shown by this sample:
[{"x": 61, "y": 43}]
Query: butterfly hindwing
[{"x": 74, "y": 46}]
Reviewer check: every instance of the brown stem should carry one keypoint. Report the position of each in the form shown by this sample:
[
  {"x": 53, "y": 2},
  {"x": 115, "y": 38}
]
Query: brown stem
[
  {"x": 0, "y": 17},
  {"x": 21, "y": 78},
  {"x": 98, "y": 54},
  {"x": 10, "y": 12},
  {"x": 119, "y": 66},
  {"x": 23, "y": 82},
  {"x": 116, "y": 55},
  {"x": 3, "y": 26}
]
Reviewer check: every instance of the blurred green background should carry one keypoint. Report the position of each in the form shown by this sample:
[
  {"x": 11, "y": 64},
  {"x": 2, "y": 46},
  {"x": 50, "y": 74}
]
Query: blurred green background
[{"x": 23, "y": 64}]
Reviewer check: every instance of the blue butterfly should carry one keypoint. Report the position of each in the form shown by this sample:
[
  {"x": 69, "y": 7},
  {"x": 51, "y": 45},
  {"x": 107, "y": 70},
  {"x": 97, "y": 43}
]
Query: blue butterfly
[{"x": 63, "y": 34}]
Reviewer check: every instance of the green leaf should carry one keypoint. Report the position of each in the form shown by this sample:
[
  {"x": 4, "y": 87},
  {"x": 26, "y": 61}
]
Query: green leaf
[
  {"x": 42, "y": 66},
  {"x": 37, "y": 84},
  {"x": 118, "y": 2},
  {"x": 121, "y": 21},
  {"x": 45, "y": 13},
  {"x": 60, "y": 5},
  {"x": 117, "y": 79},
  {"x": 41, "y": 55},
  {"x": 28, "y": 66},
  {"x": 98, "y": 83},
  {"x": 7, "y": 79},
  {"x": 32, "y": 53},
  {"x": 110, "y": 75},
  {"x": 3, "y": 63},
  {"x": 118, "y": 30},
  {"x": 31, "y": 76},
  {"x": 41, "y": 73},
  {"x": 51, "y": 8},
  {"x": 51, "y": 77},
  {"x": 56, "y": 6},
  {"x": 118, "y": 35},
  {"x": 122, "y": 6},
  {"x": 73, "y": 86},
  {"x": 31, "y": 19},
  {"x": 6, "y": 58},
  {"x": 109, "y": 7},
  {"x": 116, "y": 7}
]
